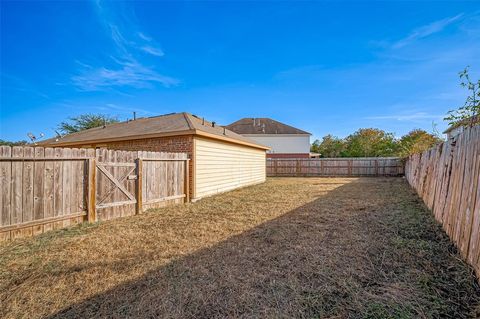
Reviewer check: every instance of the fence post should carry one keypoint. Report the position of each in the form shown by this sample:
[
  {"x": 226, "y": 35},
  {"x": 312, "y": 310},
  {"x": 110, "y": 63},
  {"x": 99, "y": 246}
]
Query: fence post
[
  {"x": 376, "y": 167},
  {"x": 92, "y": 192},
  {"x": 275, "y": 170},
  {"x": 139, "y": 192},
  {"x": 350, "y": 164},
  {"x": 298, "y": 168},
  {"x": 186, "y": 182}
]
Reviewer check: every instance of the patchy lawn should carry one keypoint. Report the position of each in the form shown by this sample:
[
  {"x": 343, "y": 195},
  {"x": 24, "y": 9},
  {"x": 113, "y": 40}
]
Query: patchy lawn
[{"x": 292, "y": 247}]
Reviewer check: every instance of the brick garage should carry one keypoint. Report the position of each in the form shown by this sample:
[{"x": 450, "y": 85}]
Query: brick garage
[{"x": 221, "y": 160}]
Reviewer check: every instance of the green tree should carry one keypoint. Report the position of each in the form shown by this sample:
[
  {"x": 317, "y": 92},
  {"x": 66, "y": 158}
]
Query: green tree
[
  {"x": 85, "y": 122},
  {"x": 370, "y": 142},
  {"x": 330, "y": 146},
  {"x": 17, "y": 143},
  {"x": 416, "y": 141},
  {"x": 468, "y": 114}
]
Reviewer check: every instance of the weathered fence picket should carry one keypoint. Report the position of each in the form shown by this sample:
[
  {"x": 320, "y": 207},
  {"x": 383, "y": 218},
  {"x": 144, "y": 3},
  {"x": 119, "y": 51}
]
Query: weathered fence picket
[
  {"x": 365, "y": 166},
  {"x": 447, "y": 178},
  {"x": 47, "y": 188}
]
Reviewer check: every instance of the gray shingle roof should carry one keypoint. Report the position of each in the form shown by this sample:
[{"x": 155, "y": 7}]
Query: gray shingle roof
[
  {"x": 251, "y": 125},
  {"x": 168, "y": 124}
]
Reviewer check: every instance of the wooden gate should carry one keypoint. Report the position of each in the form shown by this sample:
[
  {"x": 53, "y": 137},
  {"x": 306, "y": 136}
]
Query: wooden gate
[
  {"x": 127, "y": 183},
  {"x": 116, "y": 183}
]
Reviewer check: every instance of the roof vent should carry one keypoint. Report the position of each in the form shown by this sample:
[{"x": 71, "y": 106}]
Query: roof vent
[
  {"x": 224, "y": 131},
  {"x": 213, "y": 124}
]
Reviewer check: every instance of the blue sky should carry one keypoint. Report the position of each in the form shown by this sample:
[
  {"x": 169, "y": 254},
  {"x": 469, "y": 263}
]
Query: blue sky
[{"x": 325, "y": 67}]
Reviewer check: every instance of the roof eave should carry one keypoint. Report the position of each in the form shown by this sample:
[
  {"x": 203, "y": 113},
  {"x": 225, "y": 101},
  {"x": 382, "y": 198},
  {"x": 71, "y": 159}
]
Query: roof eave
[
  {"x": 156, "y": 135},
  {"x": 231, "y": 140},
  {"x": 123, "y": 138}
]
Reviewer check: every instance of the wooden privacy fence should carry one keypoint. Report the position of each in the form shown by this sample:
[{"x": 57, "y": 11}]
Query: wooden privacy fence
[
  {"x": 447, "y": 178},
  {"x": 366, "y": 166},
  {"x": 50, "y": 188}
]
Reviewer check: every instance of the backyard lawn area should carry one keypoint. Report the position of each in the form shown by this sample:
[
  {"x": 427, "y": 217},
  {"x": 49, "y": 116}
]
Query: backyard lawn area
[{"x": 291, "y": 247}]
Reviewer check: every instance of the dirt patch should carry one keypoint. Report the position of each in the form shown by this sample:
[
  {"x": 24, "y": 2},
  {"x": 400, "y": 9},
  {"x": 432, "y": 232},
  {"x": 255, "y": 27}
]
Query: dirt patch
[{"x": 292, "y": 247}]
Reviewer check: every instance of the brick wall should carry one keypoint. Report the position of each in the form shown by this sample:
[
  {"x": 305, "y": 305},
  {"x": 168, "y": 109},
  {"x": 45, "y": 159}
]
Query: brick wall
[{"x": 172, "y": 144}]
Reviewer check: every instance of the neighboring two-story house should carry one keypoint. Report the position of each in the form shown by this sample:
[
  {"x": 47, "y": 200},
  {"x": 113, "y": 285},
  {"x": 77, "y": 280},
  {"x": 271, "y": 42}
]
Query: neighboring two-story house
[{"x": 284, "y": 140}]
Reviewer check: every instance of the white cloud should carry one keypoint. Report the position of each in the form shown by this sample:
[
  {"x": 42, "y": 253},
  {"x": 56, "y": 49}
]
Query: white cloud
[
  {"x": 129, "y": 74},
  {"x": 144, "y": 36},
  {"x": 127, "y": 68},
  {"x": 426, "y": 30},
  {"x": 153, "y": 51}
]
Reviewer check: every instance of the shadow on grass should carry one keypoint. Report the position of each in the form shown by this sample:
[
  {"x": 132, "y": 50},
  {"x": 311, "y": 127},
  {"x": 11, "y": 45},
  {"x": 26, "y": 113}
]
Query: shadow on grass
[{"x": 366, "y": 250}]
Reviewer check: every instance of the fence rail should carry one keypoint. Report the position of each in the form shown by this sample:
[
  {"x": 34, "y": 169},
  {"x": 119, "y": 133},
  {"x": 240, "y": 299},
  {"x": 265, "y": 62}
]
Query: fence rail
[
  {"x": 368, "y": 166},
  {"x": 447, "y": 178},
  {"x": 50, "y": 188}
]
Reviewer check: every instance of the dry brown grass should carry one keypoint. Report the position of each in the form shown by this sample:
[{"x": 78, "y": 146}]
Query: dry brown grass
[{"x": 317, "y": 247}]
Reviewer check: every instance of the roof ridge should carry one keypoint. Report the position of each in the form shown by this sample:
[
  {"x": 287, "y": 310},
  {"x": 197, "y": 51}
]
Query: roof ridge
[
  {"x": 187, "y": 118},
  {"x": 103, "y": 126}
]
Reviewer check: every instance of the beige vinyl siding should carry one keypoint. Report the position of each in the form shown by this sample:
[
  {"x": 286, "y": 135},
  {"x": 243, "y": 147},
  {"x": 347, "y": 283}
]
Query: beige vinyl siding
[{"x": 222, "y": 166}]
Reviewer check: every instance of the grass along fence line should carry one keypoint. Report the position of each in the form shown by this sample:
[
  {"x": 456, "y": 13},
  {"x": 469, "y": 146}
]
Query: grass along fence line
[{"x": 291, "y": 247}]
